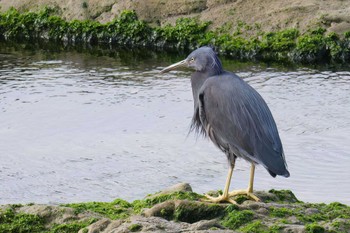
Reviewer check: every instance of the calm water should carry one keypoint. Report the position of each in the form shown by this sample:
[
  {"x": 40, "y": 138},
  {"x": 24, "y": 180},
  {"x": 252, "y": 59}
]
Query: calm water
[{"x": 79, "y": 127}]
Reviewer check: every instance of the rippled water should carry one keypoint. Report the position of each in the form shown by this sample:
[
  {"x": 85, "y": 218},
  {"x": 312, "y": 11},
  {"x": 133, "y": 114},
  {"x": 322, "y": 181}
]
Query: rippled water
[{"x": 79, "y": 127}]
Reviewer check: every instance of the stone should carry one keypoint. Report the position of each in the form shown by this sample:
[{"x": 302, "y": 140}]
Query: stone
[
  {"x": 181, "y": 187},
  {"x": 98, "y": 226},
  {"x": 165, "y": 210}
]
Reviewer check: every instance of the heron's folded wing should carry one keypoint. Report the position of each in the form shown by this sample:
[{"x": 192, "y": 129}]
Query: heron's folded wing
[{"x": 240, "y": 117}]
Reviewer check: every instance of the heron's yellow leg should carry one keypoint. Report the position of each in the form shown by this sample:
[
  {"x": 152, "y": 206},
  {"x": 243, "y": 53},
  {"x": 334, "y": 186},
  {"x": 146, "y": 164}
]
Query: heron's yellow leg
[
  {"x": 225, "y": 195},
  {"x": 249, "y": 191}
]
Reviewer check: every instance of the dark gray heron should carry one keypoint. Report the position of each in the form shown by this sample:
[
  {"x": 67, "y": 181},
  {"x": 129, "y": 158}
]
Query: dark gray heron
[{"x": 235, "y": 117}]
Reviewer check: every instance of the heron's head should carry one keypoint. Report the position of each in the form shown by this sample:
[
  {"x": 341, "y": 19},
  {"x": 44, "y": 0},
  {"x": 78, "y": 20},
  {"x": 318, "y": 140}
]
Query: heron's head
[{"x": 202, "y": 59}]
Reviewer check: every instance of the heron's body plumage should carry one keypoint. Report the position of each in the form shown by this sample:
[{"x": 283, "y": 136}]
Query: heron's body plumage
[{"x": 238, "y": 121}]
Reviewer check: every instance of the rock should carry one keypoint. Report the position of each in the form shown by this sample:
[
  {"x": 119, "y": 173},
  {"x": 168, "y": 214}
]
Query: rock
[
  {"x": 205, "y": 225},
  {"x": 193, "y": 211},
  {"x": 103, "y": 225},
  {"x": 293, "y": 220},
  {"x": 263, "y": 211},
  {"x": 165, "y": 210},
  {"x": 277, "y": 196},
  {"x": 311, "y": 211},
  {"x": 154, "y": 224},
  {"x": 338, "y": 225},
  {"x": 186, "y": 211},
  {"x": 56, "y": 214},
  {"x": 181, "y": 187},
  {"x": 193, "y": 215},
  {"x": 294, "y": 229}
]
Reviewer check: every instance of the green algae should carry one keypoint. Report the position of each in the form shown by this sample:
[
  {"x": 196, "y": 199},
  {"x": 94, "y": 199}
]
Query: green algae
[
  {"x": 314, "y": 228},
  {"x": 283, "y": 196},
  {"x": 17, "y": 222},
  {"x": 281, "y": 212},
  {"x": 10, "y": 221},
  {"x": 139, "y": 205},
  {"x": 135, "y": 227},
  {"x": 193, "y": 212},
  {"x": 117, "y": 209},
  {"x": 340, "y": 225},
  {"x": 236, "y": 219},
  {"x": 71, "y": 227},
  {"x": 127, "y": 30},
  {"x": 256, "y": 227},
  {"x": 121, "y": 209}
]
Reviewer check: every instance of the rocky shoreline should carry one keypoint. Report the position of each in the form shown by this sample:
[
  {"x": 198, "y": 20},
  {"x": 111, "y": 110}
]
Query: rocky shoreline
[
  {"x": 255, "y": 15},
  {"x": 242, "y": 42},
  {"x": 178, "y": 209}
]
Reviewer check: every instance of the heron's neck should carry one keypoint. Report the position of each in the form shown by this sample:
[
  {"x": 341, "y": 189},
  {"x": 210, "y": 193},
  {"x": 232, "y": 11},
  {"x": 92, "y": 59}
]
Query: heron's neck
[
  {"x": 199, "y": 77},
  {"x": 197, "y": 81}
]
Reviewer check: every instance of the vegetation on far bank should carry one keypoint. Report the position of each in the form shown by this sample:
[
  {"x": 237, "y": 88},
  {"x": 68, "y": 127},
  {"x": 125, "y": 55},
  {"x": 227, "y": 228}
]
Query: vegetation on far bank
[
  {"x": 188, "y": 33},
  {"x": 279, "y": 212}
]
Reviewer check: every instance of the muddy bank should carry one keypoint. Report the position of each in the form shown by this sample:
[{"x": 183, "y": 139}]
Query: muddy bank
[
  {"x": 256, "y": 15},
  {"x": 178, "y": 209},
  {"x": 289, "y": 45}
]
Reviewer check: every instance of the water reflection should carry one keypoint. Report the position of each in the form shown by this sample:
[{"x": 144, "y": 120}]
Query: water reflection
[{"x": 80, "y": 126}]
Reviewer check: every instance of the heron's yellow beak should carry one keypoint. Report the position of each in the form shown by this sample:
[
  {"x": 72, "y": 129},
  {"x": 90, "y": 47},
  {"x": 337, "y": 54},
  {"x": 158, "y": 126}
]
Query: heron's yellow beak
[{"x": 174, "y": 66}]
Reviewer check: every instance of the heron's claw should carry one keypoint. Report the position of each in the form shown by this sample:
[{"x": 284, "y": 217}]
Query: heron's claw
[
  {"x": 218, "y": 199},
  {"x": 228, "y": 197},
  {"x": 244, "y": 192}
]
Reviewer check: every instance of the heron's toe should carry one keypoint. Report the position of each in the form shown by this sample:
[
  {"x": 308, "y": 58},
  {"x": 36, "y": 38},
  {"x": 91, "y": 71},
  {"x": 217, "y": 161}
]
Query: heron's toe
[
  {"x": 219, "y": 199},
  {"x": 244, "y": 192}
]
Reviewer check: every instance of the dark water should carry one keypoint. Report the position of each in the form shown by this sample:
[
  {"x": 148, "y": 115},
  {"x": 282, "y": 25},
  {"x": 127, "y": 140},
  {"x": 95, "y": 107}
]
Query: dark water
[{"x": 77, "y": 127}]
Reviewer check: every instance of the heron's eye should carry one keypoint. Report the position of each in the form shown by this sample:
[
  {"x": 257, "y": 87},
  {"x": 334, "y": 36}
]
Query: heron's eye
[{"x": 192, "y": 59}]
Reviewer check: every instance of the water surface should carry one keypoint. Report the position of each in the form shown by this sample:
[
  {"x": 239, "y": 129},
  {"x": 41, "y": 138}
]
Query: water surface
[{"x": 77, "y": 127}]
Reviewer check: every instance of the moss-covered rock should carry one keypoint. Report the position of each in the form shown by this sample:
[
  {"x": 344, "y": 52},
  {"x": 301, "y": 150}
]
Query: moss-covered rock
[
  {"x": 180, "y": 210},
  {"x": 185, "y": 210}
]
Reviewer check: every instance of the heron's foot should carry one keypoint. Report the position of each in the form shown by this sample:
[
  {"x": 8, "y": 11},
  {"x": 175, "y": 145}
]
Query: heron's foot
[
  {"x": 221, "y": 198},
  {"x": 249, "y": 194}
]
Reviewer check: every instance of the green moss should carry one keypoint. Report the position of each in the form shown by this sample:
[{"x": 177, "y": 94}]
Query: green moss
[
  {"x": 281, "y": 212},
  {"x": 256, "y": 227},
  {"x": 138, "y": 205},
  {"x": 340, "y": 225},
  {"x": 187, "y": 33},
  {"x": 231, "y": 208},
  {"x": 135, "y": 227},
  {"x": 284, "y": 196},
  {"x": 10, "y": 221},
  {"x": 283, "y": 221},
  {"x": 194, "y": 211},
  {"x": 118, "y": 209},
  {"x": 314, "y": 228},
  {"x": 325, "y": 212},
  {"x": 276, "y": 228},
  {"x": 235, "y": 219},
  {"x": 241, "y": 198}
]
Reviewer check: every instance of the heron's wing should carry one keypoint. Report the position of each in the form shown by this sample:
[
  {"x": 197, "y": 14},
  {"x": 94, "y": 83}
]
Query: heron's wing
[{"x": 241, "y": 120}]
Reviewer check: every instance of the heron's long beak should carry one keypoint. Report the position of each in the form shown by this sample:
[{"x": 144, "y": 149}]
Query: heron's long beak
[{"x": 174, "y": 66}]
